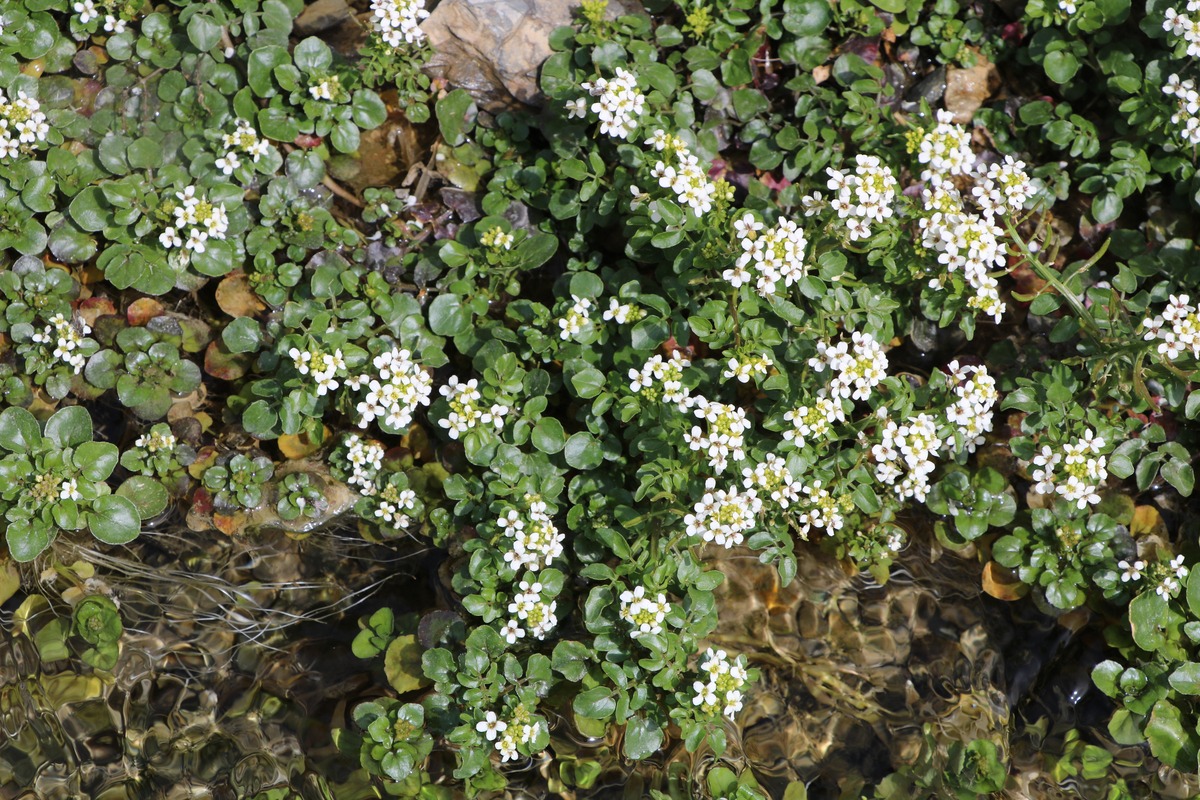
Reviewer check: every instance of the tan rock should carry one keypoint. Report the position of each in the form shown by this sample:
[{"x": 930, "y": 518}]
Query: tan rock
[
  {"x": 494, "y": 48},
  {"x": 967, "y": 89}
]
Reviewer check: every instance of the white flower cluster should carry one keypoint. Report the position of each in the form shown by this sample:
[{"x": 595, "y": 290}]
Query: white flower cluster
[
  {"x": 529, "y": 608},
  {"x": 971, "y": 413},
  {"x": 398, "y": 21},
  {"x": 325, "y": 368},
  {"x": 1169, "y": 586},
  {"x": 823, "y": 510},
  {"x": 1183, "y": 25},
  {"x": 720, "y": 687},
  {"x": 329, "y": 88},
  {"x": 812, "y": 422},
  {"x": 497, "y": 238},
  {"x": 1187, "y": 112},
  {"x": 623, "y": 313},
  {"x": 196, "y": 221},
  {"x": 1177, "y": 328},
  {"x": 1067, "y": 6},
  {"x": 861, "y": 198},
  {"x": 776, "y": 254},
  {"x": 618, "y": 104},
  {"x": 665, "y": 375},
  {"x": 394, "y": 392},
  {"x": 905, "y": 458},
  {"x": 1003, "y": 189},
  {"x": 87, "y": 11},
  {"x": 723, "y": 516},
  {"x": 465, "y": 409},
  {"x": 22, "y": 125},
  {"x": 65, "y": 335},
  {"x": 964, "y": 241},
  {"x": 773, "y": 479},
  {"x": 244, "y": 141},
  {"x": 859, "y": 365},
  {"x": 725, "y": 437},
  {"x": 534, "y": 540},
  {"x": 391, "y": 507},
  {"x": 1076, "y": 473},
  {"x": 154, "y": 442},
  {"x": 1131, "y": 572},
  {"x": 507, "y": 735},
  {"x": 747, "y": 367},
  {"x": 646, "y": 615},
  {"x": 946, "y": 148},
  {"x": 576, "y": 317},
  {"x": 366, "y": 460},
  {"x": 686, "y": 178}
]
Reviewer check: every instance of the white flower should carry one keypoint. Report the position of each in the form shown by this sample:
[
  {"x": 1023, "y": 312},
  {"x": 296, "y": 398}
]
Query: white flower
[
  {"x": 1131, "y": 572},
  {"x": 645, "y": 614},
  {"x": 397, "y": 22},
  {"x": 86, "y": 10},
  {"x": 491, "y": 726},
  {"x": 576, "y": 317},
  {"x": 618, "y": 104}
]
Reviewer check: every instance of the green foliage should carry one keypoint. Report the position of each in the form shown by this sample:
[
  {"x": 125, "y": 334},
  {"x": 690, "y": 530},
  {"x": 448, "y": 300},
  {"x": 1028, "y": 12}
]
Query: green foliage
[
  {"x": 238, "y": 482},
  {"x": 54, "y": 481},
  {"x": 97, "y": 621}
]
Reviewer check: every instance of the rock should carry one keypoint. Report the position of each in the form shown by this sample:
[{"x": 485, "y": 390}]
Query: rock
[
  {"x": 966, "y": 89},
  {"x": 321, "y": 16},
  {"x": 493, "y": 48}
]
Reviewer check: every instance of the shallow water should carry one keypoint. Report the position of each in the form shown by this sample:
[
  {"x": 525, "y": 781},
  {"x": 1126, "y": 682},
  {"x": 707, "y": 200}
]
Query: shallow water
[{"x": 229, "y": 686}]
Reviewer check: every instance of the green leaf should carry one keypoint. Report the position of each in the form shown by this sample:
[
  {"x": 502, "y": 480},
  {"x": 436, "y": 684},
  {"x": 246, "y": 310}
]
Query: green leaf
[
  {"x": 69, "y": 426},
  {"x": 367, "y": 109},
  {"x": 243, "y": 335},
  {"x": 203, "y": 32},
  {"x": 1169, "y": 741},
  {"x": 1105, "y": 675},
  {"x": 1179, "y": 474},
  {"x": 313, "y": 56},
  {"x": 570, "y": 659},
  {"x": 114, "y": 519},
  {"x": 90, "y": 211},
  {"x": 1186, "y": 678},
  {"x": 455, "y": 115},
  {"x": 597, "y": 703},
  {"x": 25, "y": 543},
  {"x": 148, "y": 495},
  {"x": 583, "y": 452},
  {"x": 1107, "y": 206},
  {"x": 19, "y": 430},
  {"x": 402, "y": 664},
  {"x": 642, "y": 738},
  {"x": 96, "y": 460},
  {"x": 1060, "y": 66},
  {"x": 447, "y": 316},
  {"x": 587, "y": 382},
  {"x": 548, "y": 435}
]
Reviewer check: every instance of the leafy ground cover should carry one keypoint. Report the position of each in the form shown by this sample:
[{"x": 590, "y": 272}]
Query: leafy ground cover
[{"x": 747, "y": 287}]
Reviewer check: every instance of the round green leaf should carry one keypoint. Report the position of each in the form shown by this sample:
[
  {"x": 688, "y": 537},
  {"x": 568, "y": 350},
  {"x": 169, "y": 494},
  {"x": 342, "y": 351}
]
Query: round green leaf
[
  {"x": 582, "y": 451},
  {"x": 25, "y": 543},
  {"x": 19, "y": 430},
  {"x": 96, "y": 460},
  {"x": 148, "y": 495},
  {"x": 243, "y": 335},
  {"x": 1061, "y": 65},
  {"x": 312, "y": 56},
  {"x": 114, "y": 519},
  {"x": 447, "y": 316},
  {"x": 69, "y": 426},
  {"x": 548, "y": 435}
]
